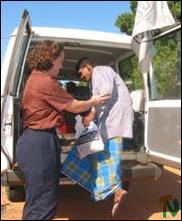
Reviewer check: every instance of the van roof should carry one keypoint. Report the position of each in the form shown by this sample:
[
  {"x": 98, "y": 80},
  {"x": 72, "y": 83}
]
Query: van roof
[
  {"x": 69, "y": 33},
  {"x": 103, "y": 47}
]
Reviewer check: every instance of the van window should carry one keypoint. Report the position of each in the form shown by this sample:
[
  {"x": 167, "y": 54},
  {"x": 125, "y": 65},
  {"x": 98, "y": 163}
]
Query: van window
[
  {"x": 19, "y": 56},
  {"x": 129, "y": 72},
  {"x": 78, "y": 89},
  {"x": 167, "y": 66}
]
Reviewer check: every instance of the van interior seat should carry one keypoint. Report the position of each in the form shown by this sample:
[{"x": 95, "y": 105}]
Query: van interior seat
[{"x": 138, "y": 100}]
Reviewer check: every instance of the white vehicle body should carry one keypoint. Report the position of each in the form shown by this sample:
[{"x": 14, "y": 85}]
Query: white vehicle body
[{"x": 162, "y": 126}]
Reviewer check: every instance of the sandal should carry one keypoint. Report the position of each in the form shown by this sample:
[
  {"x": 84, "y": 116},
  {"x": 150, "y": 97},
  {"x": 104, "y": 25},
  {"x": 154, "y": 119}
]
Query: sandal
[{"x": 120, "y": 197}]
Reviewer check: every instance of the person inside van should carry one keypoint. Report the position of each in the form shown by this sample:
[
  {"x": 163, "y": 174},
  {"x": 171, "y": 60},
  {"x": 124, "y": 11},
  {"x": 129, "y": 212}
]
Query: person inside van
[
  {"x": 37, "y": 150},
  {"x": 71, "y": 88},
  {"x": 114, "y": 119}
]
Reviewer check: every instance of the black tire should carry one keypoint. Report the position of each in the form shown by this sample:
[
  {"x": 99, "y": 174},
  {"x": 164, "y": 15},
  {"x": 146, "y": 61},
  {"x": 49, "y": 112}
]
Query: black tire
[{"x": 16, "y": 193}]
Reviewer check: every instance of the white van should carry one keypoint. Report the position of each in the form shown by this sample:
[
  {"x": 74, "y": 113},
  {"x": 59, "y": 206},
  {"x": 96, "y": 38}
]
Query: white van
[{"x": 157, "y": 126}]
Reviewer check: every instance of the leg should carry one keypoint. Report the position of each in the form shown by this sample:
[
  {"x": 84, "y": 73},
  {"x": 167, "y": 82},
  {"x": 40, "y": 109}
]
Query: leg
[
  {"x": 107, "y": 170},
  {"x": 37, "y": 157},
  {"x": 119, "y": 198}
]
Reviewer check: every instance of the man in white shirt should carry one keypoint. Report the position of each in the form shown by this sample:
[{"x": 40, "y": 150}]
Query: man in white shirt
[{"x": 114, "y": 120}]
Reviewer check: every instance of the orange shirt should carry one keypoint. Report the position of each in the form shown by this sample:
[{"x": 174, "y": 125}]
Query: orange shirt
[{"x": 43, "y": 102}]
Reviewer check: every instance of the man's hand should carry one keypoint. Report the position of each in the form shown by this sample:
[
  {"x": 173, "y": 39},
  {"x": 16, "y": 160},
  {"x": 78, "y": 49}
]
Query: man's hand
[
  {"x": 88, "y": 118},
  {"x": 101, "y": 98}
]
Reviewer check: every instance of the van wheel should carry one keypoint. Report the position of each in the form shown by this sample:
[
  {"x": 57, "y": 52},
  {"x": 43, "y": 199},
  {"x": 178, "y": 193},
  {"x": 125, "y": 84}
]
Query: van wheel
[{"x": 16, "y": 193}]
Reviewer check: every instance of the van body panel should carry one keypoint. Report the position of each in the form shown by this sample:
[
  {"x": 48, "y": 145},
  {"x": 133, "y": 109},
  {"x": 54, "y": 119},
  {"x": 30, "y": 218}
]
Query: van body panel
[
  {"x": 7, "y": 133},
  {"x": 163, "y": 131}
]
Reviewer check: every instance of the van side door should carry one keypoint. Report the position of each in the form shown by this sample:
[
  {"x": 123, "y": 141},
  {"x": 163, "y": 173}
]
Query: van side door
[
  {"x": 163, "y": 110},
  {"x": 12, "y": 68}
]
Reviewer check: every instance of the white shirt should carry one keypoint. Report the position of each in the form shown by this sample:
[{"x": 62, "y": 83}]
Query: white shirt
[{"x": 115, "y": 118}]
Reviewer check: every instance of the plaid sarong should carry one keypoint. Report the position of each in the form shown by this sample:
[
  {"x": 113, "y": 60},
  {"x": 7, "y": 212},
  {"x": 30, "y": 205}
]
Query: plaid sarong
[{"x": 99, "y": 173}]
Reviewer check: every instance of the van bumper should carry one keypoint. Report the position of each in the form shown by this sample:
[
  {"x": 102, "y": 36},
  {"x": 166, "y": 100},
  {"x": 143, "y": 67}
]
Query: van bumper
[
  {"x": 131, "y": 170},
  {"x": 12, "y": 177}
]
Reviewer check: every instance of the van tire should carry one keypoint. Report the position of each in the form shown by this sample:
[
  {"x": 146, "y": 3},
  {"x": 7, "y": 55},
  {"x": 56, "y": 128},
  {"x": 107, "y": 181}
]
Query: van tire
[{"x": 16, "y": 193}]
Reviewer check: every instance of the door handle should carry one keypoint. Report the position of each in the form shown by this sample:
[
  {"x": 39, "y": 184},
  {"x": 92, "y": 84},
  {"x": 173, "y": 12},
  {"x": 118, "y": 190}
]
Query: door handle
[{"x": 8, "y": 124}]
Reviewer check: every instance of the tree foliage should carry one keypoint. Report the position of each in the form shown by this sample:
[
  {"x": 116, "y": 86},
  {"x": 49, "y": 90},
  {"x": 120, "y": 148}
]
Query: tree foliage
[
  {"x": 125, "y": 21},
  {"x": 165, "y": 63}
]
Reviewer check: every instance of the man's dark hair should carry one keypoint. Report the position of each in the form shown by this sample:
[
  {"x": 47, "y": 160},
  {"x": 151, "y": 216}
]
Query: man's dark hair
[{"x": 83, "y": 62}]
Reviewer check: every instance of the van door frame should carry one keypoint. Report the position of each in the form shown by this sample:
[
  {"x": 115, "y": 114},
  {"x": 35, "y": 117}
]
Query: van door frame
[
  {"x": 153, "y": 109},
  {"x": 11, "y": 89}
]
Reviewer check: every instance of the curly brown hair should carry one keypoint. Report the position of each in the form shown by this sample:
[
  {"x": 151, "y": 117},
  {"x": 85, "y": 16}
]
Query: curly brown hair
[{"x": 42, "y": 54}]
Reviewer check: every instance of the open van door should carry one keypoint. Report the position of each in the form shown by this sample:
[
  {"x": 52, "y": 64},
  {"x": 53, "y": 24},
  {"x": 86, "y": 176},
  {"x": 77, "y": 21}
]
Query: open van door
[
  {"x": 161, "y": 71},
  {"x": 11, "y": 73},
  {"x": 163, "y": 110}
]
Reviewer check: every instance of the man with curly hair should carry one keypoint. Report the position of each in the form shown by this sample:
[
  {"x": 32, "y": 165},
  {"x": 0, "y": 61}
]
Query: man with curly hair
[{"x": 37, "y": 149}]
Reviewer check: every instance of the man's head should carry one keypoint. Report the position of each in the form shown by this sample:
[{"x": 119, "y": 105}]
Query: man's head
[
  {"x": 85, "y": 67},
  {"x": 46, "y": 56}
]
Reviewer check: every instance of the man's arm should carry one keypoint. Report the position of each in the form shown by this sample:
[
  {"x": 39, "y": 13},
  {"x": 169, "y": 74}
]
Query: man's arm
[
  {"x": 102, "y": 80},
  {"x": 77, "y": 106}
]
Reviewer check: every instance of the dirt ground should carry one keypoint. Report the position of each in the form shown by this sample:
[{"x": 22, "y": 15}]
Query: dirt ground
[{"x": 143, "y": 202}]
